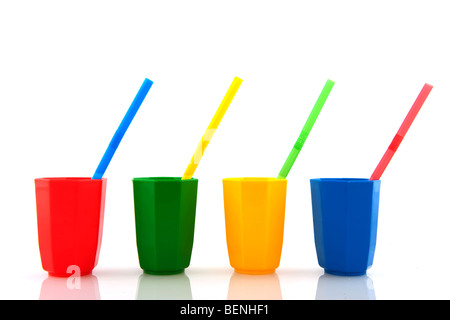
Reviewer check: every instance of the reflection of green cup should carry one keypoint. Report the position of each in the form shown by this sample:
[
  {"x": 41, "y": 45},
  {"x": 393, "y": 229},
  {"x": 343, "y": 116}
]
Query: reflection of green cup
[{"x": 165, "y": 218}]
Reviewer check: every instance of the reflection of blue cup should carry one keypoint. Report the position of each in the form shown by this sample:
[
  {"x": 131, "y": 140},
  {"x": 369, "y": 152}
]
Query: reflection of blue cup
[
  {"x": 345, "y": 215},
  {"x": 331, "y": 287}
]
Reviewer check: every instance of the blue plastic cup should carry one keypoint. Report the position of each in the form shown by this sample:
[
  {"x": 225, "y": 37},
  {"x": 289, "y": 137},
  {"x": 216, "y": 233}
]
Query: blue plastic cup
[{"x": 345, "y": 218}]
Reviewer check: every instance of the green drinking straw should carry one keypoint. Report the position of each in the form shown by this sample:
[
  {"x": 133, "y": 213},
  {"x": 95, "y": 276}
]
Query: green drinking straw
[{"x": 306, "y": 130}]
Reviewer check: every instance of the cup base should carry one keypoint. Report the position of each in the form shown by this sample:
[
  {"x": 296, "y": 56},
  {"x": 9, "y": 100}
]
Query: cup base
[
  {"x": 349, "y": 274},
  {"x": 66, "y": 275},
  {"x": 255, "y": 272},
  {"x": 164, "y": 272}
]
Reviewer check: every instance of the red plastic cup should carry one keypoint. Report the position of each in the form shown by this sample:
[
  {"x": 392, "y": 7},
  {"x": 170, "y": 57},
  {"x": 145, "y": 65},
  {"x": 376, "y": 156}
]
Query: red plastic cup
[{"x": 70, "y": 223}]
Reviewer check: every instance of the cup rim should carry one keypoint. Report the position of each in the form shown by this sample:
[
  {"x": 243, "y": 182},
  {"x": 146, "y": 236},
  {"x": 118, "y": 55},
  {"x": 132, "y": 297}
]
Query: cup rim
[
  {"x": 343, "y": 180},
  {"x": 160, "y": 179},
  {"x": 68, "y": 179},
  {"x": 254, "y": 179}
]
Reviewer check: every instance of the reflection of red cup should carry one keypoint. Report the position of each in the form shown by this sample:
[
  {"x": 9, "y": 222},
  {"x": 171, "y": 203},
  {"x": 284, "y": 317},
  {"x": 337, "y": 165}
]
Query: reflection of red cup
[
  {"x": 70, "y": 223},
  {"x": 78, "y": 288}
]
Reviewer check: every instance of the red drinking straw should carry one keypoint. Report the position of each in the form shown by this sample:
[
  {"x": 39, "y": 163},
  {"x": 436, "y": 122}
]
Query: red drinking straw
[{"x": 376, "y": 175}]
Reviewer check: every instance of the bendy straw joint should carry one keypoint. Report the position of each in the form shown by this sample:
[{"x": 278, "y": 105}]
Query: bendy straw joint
[
  {"x": 306, "y": 130},
  {"x": 207, "y": 136},
  {"x": 420, "y": 100}
]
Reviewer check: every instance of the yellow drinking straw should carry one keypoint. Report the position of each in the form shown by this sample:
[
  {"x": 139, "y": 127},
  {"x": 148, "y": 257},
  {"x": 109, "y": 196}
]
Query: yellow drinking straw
[{"x": 212, "y": 128}]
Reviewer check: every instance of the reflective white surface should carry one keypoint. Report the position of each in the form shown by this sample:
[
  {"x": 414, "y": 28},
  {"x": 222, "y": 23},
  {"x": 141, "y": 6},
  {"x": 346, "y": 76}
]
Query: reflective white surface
[{"x": 225, "y": 284}]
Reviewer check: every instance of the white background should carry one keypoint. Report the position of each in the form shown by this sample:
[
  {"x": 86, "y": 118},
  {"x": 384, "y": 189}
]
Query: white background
[{"x": 69, "y": 71}]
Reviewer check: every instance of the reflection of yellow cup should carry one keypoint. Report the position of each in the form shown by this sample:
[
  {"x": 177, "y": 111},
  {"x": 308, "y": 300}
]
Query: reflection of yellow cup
[
  {"x": 254, "y": 222},
  {"x": 249, "y": 287}
]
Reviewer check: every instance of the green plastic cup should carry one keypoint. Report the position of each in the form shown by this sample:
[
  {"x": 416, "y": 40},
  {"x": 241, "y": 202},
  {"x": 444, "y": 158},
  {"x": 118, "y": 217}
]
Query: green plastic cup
[{"x": 165, "y": 218}]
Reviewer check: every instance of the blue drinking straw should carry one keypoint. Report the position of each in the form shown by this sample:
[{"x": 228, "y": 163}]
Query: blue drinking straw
[{"x": 115, "y": 141}]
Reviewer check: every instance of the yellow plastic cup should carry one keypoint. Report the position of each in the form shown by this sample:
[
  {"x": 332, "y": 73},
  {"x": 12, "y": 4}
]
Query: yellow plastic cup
[{"x": 254, "y": 223}]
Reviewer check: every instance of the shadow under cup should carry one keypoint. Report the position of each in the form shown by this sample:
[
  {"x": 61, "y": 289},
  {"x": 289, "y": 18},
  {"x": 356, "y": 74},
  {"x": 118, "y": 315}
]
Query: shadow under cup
[
  {"x": 345, "y": 218},
  {"x": 254, "y": 223},
  {"x": 70, "y": 223},
  {"x": 165, "y": 219}
]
